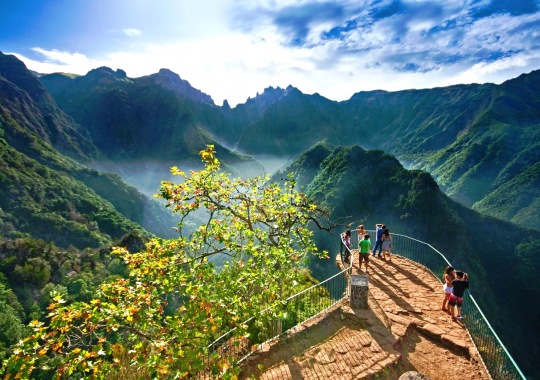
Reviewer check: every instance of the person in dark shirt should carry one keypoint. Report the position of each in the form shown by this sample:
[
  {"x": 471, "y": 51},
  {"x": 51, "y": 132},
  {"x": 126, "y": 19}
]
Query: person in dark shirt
[
  {"x": 456, "y": 298},
  {"x": 378, "y": 235}
]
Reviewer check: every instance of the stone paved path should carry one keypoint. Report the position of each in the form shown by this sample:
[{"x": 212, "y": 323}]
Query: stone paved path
[{"x": 403, "y": 330}]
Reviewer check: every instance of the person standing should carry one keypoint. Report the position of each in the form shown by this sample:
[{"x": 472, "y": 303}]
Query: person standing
[
  {"x": 364, "y": 246},
  {"x": 361, "y": 232},
  {"x": 386, "y": 244},
  {"x": 378, "y": 241},
  {"x": 346, "y": 237},
  {"x": 448, "y": 277},
  {"x": 458, "y": 290}
]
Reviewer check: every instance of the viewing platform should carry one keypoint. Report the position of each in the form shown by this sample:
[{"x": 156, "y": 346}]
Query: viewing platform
[{"x": 403, "y": 329}]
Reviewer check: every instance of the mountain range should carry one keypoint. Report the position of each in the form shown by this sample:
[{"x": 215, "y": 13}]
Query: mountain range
[
  {"x": 455, "y": 166},
  {"x": 480, "y": 142}
]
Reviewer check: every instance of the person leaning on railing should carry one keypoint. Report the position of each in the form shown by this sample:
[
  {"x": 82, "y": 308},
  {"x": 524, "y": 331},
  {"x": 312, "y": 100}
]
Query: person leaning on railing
[
  {"x": 458, "y": 290},
  {"x": 346, "y": 238}
]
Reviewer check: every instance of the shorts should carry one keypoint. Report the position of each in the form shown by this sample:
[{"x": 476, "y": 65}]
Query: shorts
[
  {"x": 447, "y": 289},
  {"x": 363, "y": 257},
  {"x": 454, "y": 300}
]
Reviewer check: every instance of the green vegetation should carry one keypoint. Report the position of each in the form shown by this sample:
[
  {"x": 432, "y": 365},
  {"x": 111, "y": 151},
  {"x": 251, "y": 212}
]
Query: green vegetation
[
  {"x": 159, "y": 320},
  {"x": 479, "y": 142},
  {"x": 52, "y": 206},
  {"x": 371, "y": 187},
  {"x": 31, "y": 269}
]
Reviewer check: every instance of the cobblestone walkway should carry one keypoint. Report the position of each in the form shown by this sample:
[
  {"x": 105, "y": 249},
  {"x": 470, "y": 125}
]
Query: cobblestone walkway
[{"x": 404, "y": 329}]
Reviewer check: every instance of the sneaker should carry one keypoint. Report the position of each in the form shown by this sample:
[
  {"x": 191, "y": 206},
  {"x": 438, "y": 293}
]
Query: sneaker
[
  {"x": 460, "y": 316},
  {"x": 367, "y": 270}
]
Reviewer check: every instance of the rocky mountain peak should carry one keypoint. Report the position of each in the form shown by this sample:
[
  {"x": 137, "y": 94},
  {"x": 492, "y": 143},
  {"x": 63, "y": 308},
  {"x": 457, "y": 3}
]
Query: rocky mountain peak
[
  {"x": 15, "y": 71},
  {"x": 269, "y": 96},
  {"x": 172, "y": 82},
  {"x": 105, "y": 75}
]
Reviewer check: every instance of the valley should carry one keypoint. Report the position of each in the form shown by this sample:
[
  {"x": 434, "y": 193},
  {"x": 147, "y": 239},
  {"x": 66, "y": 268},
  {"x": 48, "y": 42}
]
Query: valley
[{"x": 471, "y": 187}]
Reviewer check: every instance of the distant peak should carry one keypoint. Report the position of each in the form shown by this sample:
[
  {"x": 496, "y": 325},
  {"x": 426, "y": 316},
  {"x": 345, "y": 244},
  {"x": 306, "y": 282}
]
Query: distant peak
[
  {"x": 105, "y": 71},
  {"x": 170, "y": 80},
  {"x": 101, "y": 70},
  {"x": 121, "y": 73},
  {"x": 169, "y": 73},
  {"x": 291, "y": 88}
]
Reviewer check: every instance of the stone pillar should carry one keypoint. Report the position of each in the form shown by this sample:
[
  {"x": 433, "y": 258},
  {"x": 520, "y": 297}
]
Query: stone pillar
[{"x": 359, "y": 291}]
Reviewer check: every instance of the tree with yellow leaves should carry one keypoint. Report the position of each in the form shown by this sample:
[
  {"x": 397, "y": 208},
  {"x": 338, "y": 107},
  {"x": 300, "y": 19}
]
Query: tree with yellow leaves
[{"x": 159, "y": 322}]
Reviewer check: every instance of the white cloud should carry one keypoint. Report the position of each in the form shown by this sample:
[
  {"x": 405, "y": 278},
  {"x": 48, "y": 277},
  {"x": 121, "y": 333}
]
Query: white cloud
[
  {"x": 407, "y": 49},
  {"x": 59, "y": 61},
  {"x": 61, "y": 57},
  {"x": 131, "y": 32}
]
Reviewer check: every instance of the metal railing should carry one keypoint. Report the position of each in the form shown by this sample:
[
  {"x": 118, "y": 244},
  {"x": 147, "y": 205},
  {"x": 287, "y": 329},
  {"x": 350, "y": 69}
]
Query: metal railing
[
  {"x": 299, "y": 308},
  {"x": 496, "y": 357},
  {"x": 271, "y": 323}
]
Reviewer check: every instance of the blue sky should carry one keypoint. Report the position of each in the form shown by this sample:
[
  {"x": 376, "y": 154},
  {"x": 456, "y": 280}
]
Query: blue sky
[{"x": 232, "y": 49}]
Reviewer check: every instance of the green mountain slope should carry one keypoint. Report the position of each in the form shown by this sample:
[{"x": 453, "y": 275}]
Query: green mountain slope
[
  {"x": 370, "y": 187},
  {"x": 292, "y": 124},
  {"x": 50, "y": 196},
  {"x": 471, "y": 138},
  {"x": 27, "y": 98},
  {"x": 158, "y": 117},
  {"x": 48, "y": 204}
]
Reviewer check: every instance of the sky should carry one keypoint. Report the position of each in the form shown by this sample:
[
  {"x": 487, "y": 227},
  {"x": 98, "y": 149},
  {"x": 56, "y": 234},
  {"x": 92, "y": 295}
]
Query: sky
[{"x": 234, "y": 49}]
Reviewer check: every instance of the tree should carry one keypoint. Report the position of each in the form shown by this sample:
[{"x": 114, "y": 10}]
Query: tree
[{"x": 261, "y": 229}]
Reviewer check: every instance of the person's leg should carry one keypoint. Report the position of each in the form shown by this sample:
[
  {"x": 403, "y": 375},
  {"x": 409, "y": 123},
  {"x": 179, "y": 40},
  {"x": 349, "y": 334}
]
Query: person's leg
[
  {"x": 380, "y": 248},
  {"x": 451, "y": 305},
  {"x": 366, "y": 259},
  {"x": 378, "y": 244},
  {"x": 451, "y": 308},
  {"x": 459, "y": 305},
  {"x": 445, "y": 301}
]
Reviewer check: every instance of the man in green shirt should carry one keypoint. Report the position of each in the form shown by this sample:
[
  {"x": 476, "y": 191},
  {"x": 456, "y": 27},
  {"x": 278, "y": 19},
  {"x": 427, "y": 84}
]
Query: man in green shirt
[{"x": 365, "y": 245}]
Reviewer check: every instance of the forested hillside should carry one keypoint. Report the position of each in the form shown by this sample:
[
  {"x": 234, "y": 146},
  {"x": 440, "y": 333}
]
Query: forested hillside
[
  {"x": 159, "y": 116},
  {"x": 480, "y": 142},
  {"x": 50, "y": 196}
]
